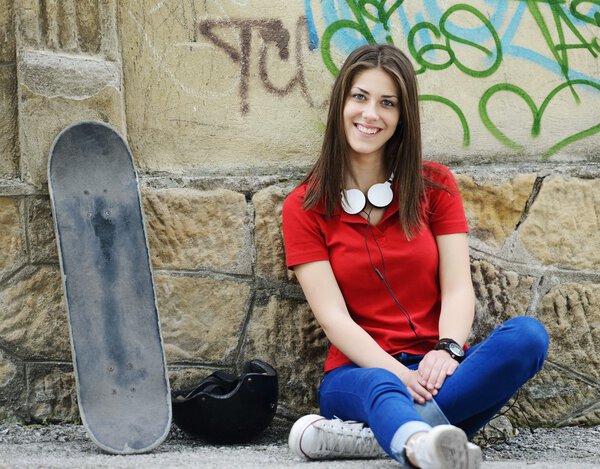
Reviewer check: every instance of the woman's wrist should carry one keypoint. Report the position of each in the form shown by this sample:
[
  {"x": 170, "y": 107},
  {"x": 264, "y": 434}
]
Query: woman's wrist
[
  {"x": 452, "y": 347},
  {"x": 403, "y": 372}
]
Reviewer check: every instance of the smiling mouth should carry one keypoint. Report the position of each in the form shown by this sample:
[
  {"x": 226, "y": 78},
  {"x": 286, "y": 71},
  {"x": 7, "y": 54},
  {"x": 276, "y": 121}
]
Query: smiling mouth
[{"x": 367, "y": 130}]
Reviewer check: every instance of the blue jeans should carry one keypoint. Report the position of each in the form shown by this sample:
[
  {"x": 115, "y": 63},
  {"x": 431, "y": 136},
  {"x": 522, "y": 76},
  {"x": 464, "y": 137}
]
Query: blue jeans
[{"x": 492, "y": 371}]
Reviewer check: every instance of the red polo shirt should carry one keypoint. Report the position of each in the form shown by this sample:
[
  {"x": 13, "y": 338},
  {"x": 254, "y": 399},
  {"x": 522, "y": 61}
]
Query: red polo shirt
[{"x": 411, "y": 267}]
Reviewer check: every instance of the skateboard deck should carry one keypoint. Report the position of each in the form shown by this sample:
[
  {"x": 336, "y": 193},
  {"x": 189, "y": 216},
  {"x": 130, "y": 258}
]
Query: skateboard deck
[{"x": 120, "y": 370}]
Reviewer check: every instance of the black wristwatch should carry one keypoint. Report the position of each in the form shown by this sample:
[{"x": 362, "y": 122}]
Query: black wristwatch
[{"x": 452, "y": 347}]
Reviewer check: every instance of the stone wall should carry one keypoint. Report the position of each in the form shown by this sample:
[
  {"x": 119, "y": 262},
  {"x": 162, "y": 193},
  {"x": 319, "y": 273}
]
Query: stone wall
[{"x": 224, "y": 104}]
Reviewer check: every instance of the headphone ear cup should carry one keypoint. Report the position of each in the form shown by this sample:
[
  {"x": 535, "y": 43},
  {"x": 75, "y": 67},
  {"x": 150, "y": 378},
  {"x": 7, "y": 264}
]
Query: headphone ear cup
[
  {"x": 381, "y": 195},
  {"x": 353, "y": 201}
]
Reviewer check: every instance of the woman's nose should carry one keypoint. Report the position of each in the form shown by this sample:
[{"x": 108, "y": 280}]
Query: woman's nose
[{"x": 370, "y": 112}]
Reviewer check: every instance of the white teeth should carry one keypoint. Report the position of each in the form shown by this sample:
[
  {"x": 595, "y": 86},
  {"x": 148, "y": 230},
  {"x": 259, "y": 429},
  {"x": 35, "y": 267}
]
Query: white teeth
[{"x": 367, "y": 130}]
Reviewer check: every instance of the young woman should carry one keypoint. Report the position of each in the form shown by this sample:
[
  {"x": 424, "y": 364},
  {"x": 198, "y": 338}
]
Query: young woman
[{"x": 377, "y": 239}]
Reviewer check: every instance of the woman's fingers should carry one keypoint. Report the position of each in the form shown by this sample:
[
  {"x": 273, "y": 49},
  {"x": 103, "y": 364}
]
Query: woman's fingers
[
  {"x": 418, "y": 392},
  {"x": 434, "y": 368}
]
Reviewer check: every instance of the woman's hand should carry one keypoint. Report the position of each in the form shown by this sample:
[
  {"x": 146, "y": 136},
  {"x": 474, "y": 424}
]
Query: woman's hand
[
  {"x": 328, "y": 305},
  {"x": 434, "y": 368},
  {"x": 419, "y": 393}
]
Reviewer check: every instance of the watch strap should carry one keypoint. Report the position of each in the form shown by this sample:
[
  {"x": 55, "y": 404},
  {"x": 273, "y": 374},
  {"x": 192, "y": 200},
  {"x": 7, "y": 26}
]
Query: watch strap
[{"x": 445, "y": 343}]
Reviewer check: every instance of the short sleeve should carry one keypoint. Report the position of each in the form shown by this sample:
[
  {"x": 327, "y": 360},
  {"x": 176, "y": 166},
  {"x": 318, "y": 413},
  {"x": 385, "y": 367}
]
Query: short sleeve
[
  {"x": 445, "y": 206},
  {"x": 302, "y": 236}
]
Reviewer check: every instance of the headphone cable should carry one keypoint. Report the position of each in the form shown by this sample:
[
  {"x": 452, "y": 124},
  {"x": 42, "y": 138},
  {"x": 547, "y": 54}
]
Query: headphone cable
[{"x": 383, "y": 277}]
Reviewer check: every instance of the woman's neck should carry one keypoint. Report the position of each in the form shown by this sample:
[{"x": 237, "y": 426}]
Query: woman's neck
[{"x": 364, "y": 172}]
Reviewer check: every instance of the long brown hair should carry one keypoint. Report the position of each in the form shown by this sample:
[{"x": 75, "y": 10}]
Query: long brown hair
[{"x": 402, "y": 153}]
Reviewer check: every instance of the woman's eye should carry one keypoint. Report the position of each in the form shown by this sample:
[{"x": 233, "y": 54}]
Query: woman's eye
[
  {"x": 358, "y": 96},
  {"x": 388, "y": 103}
]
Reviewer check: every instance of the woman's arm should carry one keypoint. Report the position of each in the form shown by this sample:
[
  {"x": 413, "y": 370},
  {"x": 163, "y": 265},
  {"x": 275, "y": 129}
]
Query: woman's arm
[
  {"x": 327, "y": 303},
  {"x": 458, "y": 307},
  {"x": 458, "y": 299}
]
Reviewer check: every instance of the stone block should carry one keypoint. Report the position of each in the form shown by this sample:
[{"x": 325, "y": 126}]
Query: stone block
[
  {"x": 75, "y": 77},
  {"x": 493, "y": 210},
  {"x": 202, "y": 318},
  {"x": 11, "y": 238},
  {"x": 13, "y": 407},
  {"x": 88, "y": 23},
  {"x": 499, "y": 295},
  {"x": 589, "y": 418},
  {"x": 285, "y": 334},
  {"x": 499, "y": 429},
  {"x": 33, "y": 318},
  {"x": 55, "y": 91},
  {"x": 555, "y": 397},
  {"x": 270, "y": 251},
  {"x": 566, "y": 391},
  {"x": 40, "y": 231},
  {"x": 8, "y": 119},
  {"x": 52, "y": 394},
  {"x": 42, "y": 118},
  {"x": 563, "y": 227},
  {"x": 8, "y": 370},
  {"x": 74, "y": 26},
  {"x": 194, "y": 230},
  {"x": 7, "y": 32},
  {"x": 186, "y": 377},
  {"x": 571, "y": 313}
]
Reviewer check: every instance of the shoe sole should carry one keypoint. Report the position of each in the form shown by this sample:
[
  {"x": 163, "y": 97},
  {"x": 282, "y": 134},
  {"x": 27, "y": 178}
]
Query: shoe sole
[
  {"x": 297, "y": 433},
  {"x": 474, "y": 456},
  {"x": 450, "y": 448}
]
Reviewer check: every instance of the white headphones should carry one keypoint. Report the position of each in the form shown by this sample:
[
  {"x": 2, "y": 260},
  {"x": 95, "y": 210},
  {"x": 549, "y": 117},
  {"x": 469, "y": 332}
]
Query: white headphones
[{"x": 379, "y": 195}]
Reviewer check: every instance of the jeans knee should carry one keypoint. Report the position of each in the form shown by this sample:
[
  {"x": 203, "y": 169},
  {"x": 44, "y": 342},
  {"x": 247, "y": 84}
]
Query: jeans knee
[
  {"x": 532, "y": 339},
  {"x": 383, "y": 384}
]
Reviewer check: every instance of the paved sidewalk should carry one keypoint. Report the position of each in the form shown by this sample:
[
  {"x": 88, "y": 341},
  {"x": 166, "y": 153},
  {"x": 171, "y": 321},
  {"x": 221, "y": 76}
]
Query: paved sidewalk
[{"x": 67, "y": 446}]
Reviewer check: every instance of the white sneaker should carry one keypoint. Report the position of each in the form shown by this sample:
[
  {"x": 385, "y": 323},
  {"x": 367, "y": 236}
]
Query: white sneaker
[
  {"x": 474, "y": 457},
  {"x": 315, "y": 437},
  {"x": 443, "y": 447}
]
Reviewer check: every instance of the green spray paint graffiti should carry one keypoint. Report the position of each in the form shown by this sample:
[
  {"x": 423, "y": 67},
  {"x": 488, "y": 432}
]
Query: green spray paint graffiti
[
  {"x": 448, "y": 43},
  {"x": 360, "y": 25},
  {"x": 436, "y": 43},
  {"x": 537, "y": 114}
]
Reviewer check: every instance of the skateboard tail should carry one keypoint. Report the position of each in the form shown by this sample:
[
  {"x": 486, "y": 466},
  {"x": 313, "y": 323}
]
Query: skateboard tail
[{"x": 120, "y": 368}]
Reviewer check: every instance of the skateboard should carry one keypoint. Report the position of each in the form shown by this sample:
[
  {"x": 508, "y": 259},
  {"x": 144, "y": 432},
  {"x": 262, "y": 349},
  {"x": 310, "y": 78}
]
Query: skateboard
[{"x": 120, "y": 369}]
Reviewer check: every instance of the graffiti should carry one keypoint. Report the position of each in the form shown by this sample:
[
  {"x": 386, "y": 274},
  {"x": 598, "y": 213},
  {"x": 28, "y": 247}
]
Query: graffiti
[
  {"x": 272, "y": 33},
  {"x": 537, "y": 114},
  {"x": 530, "y": 53},
  {"x": 436, "y": 41},
  {"x": 456, "y": 109},
  {"x": 560, "y": 51},
  {"x": 595, "y": 20},
  {"x": 362, "y": 14},
  {"x": 360, "y": 25},
  {"x": 448, "y": 44}
]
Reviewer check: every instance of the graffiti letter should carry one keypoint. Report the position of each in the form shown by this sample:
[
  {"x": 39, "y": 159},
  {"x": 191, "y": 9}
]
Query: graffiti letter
[
  {"x": 383, "y": 15},
  {"x": 418, "y": 54},
  {"x": 559, "y": 51},
  {"x": 453, "y": 37},
  {"x": 276, "y": 33},
  {"x": 457, "y": 110},
  {"x": 241, "y": 56},
  {"x": 595, "y": 20},
  {"x": 359, "y": 25},
  {"x": 272, "y": 32}
]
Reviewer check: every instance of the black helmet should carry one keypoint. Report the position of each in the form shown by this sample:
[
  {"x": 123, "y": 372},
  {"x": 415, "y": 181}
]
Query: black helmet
[{"x": 224, "y": 408}]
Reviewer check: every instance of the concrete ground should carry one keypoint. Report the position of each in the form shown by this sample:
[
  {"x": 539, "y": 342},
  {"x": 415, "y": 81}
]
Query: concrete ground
[{"x": 67, "y": 446}]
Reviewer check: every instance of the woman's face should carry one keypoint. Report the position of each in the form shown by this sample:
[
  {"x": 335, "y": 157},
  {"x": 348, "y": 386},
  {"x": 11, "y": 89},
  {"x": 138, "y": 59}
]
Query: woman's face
[{"x": 371, "y": 113}]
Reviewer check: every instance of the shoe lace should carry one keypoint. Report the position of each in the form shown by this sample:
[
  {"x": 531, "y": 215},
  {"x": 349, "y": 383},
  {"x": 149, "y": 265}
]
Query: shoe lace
[{"x": 345, "y": 438}]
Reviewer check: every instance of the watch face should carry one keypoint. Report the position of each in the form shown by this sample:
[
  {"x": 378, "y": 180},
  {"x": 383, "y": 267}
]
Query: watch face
[{"x": 456, "y": 350}]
